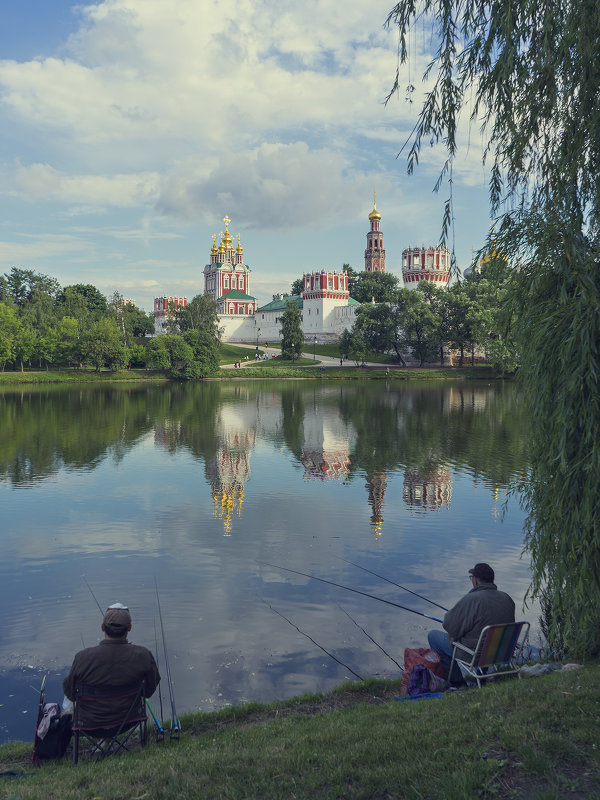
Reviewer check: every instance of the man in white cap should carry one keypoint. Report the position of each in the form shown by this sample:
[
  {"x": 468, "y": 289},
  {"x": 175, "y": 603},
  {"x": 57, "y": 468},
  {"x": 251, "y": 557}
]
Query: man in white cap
[{"x": 113, "y": 662}]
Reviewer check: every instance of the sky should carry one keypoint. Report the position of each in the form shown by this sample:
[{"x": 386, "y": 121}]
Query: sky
[{"x": 130, "y": 128}]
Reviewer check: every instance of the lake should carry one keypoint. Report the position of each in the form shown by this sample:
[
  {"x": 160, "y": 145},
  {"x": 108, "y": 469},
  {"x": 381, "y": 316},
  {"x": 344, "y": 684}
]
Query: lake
[{"x": 202, "y": 488}]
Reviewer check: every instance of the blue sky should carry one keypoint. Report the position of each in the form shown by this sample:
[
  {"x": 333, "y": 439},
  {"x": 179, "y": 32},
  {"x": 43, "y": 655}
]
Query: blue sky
[{"x": 130, "y": 128}]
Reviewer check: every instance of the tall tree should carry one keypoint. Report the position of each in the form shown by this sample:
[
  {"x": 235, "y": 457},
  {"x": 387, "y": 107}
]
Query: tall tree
[
  {"x": 297, "y": 287},
  {"x": 200, "y": 314},
  {"x": 531, "y": 73},
  {"x": 292, "y": 338},
  {"x": 377, "y": 286},
  {"x": 83, "y": 301}
]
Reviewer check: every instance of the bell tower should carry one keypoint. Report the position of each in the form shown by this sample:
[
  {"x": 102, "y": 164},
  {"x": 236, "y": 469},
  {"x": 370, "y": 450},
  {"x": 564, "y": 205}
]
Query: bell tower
[{"x": 374, "y": 254}]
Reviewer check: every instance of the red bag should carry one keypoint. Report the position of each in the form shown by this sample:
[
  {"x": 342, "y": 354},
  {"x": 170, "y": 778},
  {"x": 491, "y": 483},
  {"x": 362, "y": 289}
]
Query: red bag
[{"x": 420, "y": 655}]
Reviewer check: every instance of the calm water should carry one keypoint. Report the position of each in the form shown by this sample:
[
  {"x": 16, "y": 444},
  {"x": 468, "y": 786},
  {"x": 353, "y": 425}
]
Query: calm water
[{"x": 199, "y": 486}]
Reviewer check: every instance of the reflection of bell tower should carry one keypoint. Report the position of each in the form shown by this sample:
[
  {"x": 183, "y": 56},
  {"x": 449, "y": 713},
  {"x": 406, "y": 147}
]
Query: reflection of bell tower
[
  {"x": 428, "y": 489},
  {"x": 376, "y": 484},
  {"x": 228, "y": 473}
]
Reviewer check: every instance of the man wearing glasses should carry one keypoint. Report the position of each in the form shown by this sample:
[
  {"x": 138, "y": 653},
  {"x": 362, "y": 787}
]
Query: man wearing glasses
[{"x": 483, "y": 605}]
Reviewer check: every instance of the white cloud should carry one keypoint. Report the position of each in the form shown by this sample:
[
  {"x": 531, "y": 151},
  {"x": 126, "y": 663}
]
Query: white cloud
[
  {"x": 38, "y": 181},
  {"x": 35, "y": 248},
  {"x": 277, "y": 187}
]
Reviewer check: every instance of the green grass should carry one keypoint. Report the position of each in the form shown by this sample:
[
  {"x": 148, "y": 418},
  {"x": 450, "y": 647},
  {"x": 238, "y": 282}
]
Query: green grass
[
  {"x": 300, "y": 368},
  {"x": 537, "y": 738},
  {"x": 78, "y": 376}
]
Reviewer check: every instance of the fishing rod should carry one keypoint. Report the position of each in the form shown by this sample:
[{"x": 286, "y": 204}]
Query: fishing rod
[
  {"x": 317, "y": 644},
  {"x": 160, "y": 731},
  {"x": 350, "y": 589},
  {"x": 175, "y": 725},
  {"x": 383, "y": 578},
  {"x": 385, "y": 652},
  {"x": 93, "y": 595},
  {"x": 162, "y": 716}
]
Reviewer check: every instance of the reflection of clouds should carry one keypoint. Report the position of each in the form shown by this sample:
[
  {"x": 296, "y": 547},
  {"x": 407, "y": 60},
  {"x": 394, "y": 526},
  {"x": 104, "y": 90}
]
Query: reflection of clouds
[{"x": 152, "y": 514}]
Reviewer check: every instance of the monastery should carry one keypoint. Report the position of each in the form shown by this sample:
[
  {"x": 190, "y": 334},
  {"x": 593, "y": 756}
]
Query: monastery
[{"x": 325, "y": 303}]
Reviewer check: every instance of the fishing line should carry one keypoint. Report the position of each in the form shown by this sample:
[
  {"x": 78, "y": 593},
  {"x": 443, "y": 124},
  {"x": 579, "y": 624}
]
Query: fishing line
[
  {"x": 175, "y": 725},
  {"x": 383, "y": 578},
  {"x": 93, "y": 595},
  {"x": 317, "y": 644},
  {"x": 350, "y": 589},
  {"x": 371, "y": 638}
]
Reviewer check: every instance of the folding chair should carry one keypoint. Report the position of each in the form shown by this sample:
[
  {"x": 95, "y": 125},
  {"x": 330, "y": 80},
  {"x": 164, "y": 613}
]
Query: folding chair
[
  {"x": 494, "y": 654},
  {"x": 122, "y": 710}
]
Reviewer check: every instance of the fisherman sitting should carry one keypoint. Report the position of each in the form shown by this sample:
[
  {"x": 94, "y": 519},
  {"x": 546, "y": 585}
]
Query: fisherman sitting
[
  {"x": 113, "y": 662},
  {"x": 483, "y": 605}
]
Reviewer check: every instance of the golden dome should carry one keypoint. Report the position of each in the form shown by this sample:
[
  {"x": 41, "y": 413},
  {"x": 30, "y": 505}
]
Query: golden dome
[
  {"x": 239, "y": 244},
  {"x": 374, "y": 214},
  {"x": 214, "y": 245}
]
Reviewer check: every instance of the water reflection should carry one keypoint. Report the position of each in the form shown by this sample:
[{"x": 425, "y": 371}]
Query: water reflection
[{"x": 200, "y": 485}]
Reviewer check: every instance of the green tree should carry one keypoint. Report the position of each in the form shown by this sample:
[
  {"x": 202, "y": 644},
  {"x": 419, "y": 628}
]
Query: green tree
[
  {"x": 206, "y": 352},
  {"x": 9, "y": 330},
  {"x": 352, "y": 276},
  {"x": 377, "y": 286},
  {"x": 297, "y": 287},
  {"x": 102, "y": 345},
  {"x": 530, "y": 73},
  {"x": 292, "y": 338},
  {"x": 21, "y": 286},
  {"x": 82, "y": 301},
  {"x": 67, "y": 333},
  {"x": 377, "y": 326},
  {"x": 352, "y": 344},
  {"x": 418, "y": 325},
  {"x": 200, "y": 314}
]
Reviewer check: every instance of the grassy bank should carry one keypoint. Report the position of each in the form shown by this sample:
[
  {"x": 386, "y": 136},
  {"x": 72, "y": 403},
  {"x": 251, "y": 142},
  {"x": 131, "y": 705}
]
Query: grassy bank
[{"x": 537, "y": 738}]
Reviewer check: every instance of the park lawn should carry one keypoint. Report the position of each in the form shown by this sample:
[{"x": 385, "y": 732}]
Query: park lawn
[{"x": 537, "y": 738}]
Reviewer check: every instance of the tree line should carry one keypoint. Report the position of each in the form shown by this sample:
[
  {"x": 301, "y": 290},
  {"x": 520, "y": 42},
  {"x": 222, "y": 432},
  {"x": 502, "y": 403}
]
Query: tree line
[{"x": 45, "y": 325}]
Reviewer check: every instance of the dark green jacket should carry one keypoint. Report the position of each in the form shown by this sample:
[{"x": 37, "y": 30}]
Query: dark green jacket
[{"x": 483, "y": 605}]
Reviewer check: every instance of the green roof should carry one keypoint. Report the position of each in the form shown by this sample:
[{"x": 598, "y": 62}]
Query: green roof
[
  {"x": 281, "y": 305},
  {"x": 353, "y": 302},
  {"x": 235, "y": 294}
]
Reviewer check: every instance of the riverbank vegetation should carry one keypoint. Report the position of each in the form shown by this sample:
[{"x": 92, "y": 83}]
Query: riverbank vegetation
[
  {"x": 535, "y": 107},
  {"x": 534, "y": 738}
]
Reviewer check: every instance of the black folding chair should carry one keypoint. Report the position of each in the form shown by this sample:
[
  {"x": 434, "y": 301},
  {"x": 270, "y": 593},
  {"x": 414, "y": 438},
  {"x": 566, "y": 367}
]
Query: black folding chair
[{"x": 118, "y": 712}]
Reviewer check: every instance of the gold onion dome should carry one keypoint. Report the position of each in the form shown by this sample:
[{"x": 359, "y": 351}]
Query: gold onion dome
[
  {"x": 374, "y": 214},
  {"x": 239, "y": 244}
]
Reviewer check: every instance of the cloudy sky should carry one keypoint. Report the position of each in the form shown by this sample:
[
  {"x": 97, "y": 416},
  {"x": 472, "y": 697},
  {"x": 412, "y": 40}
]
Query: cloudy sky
[{"x": 130, "y": 128}]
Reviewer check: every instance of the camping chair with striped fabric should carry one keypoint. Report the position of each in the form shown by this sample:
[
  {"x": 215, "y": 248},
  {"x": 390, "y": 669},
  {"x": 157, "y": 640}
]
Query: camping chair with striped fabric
[{"x": 494, "y": 654}]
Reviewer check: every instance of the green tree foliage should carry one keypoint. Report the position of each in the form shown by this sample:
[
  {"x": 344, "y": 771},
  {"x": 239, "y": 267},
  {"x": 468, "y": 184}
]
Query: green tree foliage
[
  {"x": 352, "y": 276},
  {"x": 377, "y": 326},
  {"x": 418, "y": 325},
  {"x": 352, "y": 344},
  {"x": 206, "y": 352},
  {"x": 200, "y": 314},
  {"x": 67, "y": 337},
  {"x": 377, "y": 286},
  {"x": 22, "y": 286},
  {"x": 297, "y": 287},
  {"x": 102, "y": 345},
  {"x": 530, "y": 74},
  {"x": 9, "y": 331},
  {"x": 292, "y": 338},
  {"x": 82, "y": 301}
]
